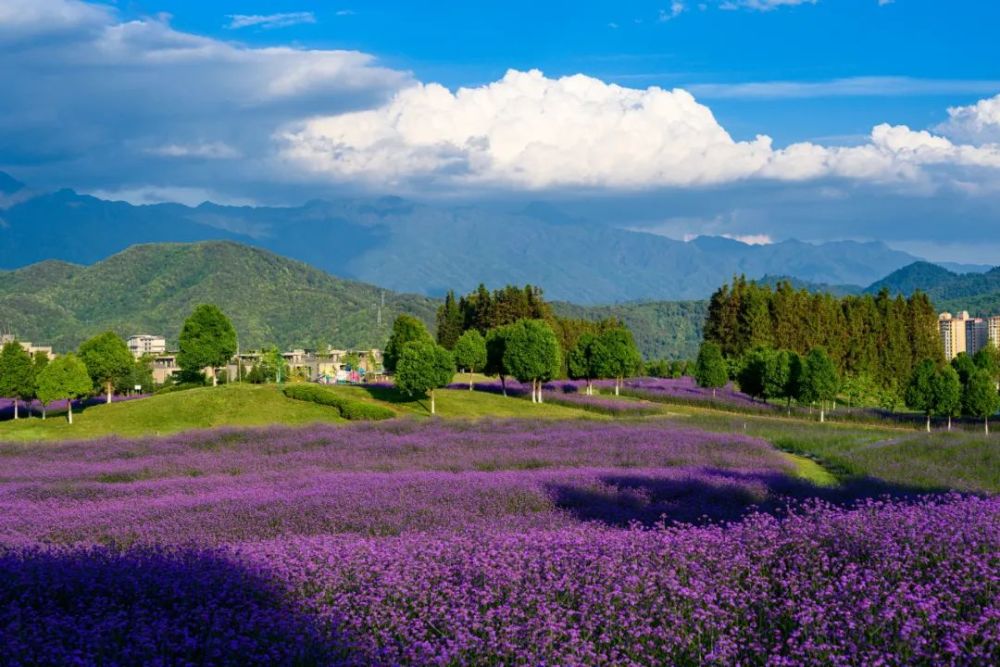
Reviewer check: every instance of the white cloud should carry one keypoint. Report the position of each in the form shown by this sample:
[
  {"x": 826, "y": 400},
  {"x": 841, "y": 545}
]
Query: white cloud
[
  {"x": 979, "y": 122},
  {"x": 22, "y": 19},
  {"x": 676, "y": 9},
  {"x": 751, "y": 239},
  {"x": 861, "y": 86},
  {"x": 763, "y": 5},
  {"x": 529, "y": 131},
  {"x": 284, "y": 20},
  {"x": 214, "y": 150}
]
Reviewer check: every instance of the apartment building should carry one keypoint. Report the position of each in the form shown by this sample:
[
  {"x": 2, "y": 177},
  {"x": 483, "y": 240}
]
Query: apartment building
[
  {"x": 27, "y": 346},
  {"x": 141, "y": 345}
]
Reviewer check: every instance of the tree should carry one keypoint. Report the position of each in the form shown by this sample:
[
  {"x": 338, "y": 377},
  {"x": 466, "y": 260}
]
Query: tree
[
  {"x": 532, "y": 354},
  {"x": 920, "y": 389},
  {"x": 980, "y": 398},
  {"x": 752, "y": 376},
  {"x": 405, "y": 329},
  {"x": 422, "y": 367},
  {"x": 947, "y": 393},
  {"x": 17, "y": 374},
  {"x": 207, "y": 340},
  {"x": 777, "y": 374},
  {"x": 141, "y": 375},
  {"x": 965, "y": 367},
  {"x": 581, "y": 362},
  {"x": 496, "y": 347},
  {"x": 988, "y": 359},
  {"x": 65, "y": 378},
  {"x": 470, "y": 352},
  {"x": 819, "y": 379},
  {"x": 710, "y": 370},
  {"x": 273, "y": 365},
  {"x": 107, "y": 359},
  {"x": 616, "y": 355},
  {"x": 449, "y": 322}
]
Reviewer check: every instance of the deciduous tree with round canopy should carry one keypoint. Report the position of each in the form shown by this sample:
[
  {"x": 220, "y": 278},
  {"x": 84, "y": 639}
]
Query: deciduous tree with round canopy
[
  {"x": 470, "y": 353},
  {"x": 710, "y": 370},
  {"x": 17, "y": 374},
  {"x": 919, "y": 393},
  {"x": 405, "y": 329},
  {"x": 65, "y": 378},
  {"x": 947, "y": 393},
  {"x": 107, "y": 360},
  {"x": 496, "y": 346},
  {"x": 207, "y": 340},
  {"x": 532, "y": 354},
  {"x": 820, "y": 380},
  {"x": 616, "y": 355},
  {"x": 581, "y": 361},
  {"x": 980, "y": 398},
  {"x": 422, "y": 367}
]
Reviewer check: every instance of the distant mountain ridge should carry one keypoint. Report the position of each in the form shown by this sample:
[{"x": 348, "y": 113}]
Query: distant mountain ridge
[{"x": 409, "y": 246}]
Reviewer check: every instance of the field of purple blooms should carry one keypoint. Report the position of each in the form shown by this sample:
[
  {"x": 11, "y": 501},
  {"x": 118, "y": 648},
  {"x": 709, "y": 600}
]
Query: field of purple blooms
[{"x": 489, "y": 542}]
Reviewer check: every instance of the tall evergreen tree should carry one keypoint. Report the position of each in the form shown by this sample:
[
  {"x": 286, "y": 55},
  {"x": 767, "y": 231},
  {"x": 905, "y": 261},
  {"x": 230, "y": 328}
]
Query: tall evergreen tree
[
  {"x": 819, "y": 380},
  {"x": 449, "y": 322},
  {"x": 405, "y": 329},
  {"x": 710, "y": 369}
]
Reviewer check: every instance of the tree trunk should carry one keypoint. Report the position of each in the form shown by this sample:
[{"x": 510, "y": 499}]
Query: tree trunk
[
  {"x": 470, "y": 381},
  {"x": 821, "y": 413},
  {"x": 43, "y": 412},
  {"x": 432, "y": 402},
  {"x": 986, "y": 425},
  {"x": 69, "y": 410},
  {"x": 503, "y": 384},
  {"x": 618, "y": 383},
  {"x": 949, "y": 422},
  {"x": 107, "y": 388},
  {"x": 713, "y": 392},
  {"x": 590, "y": 387},
  {"x": 540, "y": 391},
  {"x": 215, "y": 377},
  {"x": 928, "y": 423}
]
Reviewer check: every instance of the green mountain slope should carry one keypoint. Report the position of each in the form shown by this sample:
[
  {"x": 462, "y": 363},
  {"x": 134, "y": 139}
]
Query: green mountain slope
[{"x": 152, "y": 288}]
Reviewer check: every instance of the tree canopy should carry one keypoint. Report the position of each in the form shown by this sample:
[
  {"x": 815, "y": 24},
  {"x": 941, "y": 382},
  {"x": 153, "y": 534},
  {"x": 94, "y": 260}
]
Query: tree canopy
[
  {"x": 207, "y": 340},
  {"x": 107, "y": 359},
  {"x": 470, "y": 352},
  {"x": 422, "y": 367},
  {"x": 820, "y": 381},
  {"x": 405, "y": 329},
  {"x": 920, "y": 391},
  {"x": 532, "y": 354},
  {"x": 615, "y": 355},
  {"x": 980, "y": 398},
  {"x": 17, "y": 374},
  {"x": 65, "y": 378},
  {"x": 710, "y": 369},
  {"x": 947, "y": 393}
]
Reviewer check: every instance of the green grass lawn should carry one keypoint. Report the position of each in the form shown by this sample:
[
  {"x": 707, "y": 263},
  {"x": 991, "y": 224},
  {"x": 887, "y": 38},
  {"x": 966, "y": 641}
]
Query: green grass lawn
[
  {"x": 964, "y": 461},
  {"x": 459, "y": 403},
  {"x": 228, "y": 405}
]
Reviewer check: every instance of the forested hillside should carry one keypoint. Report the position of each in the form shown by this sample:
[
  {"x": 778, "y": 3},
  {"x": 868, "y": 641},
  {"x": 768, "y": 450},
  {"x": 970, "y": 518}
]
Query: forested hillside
[{"x": 152, "y": 288}]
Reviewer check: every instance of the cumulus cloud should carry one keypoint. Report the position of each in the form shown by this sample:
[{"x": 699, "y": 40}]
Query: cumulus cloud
[
  {"x": 979, "y": 122},
  {"x": 103, "y": 98},
  {"x": 530, "y": 131},
  {"x": 284, "y": 20}
]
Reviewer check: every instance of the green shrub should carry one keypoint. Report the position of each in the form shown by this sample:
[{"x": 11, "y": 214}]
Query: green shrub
[{"x": 349, "y": 409}]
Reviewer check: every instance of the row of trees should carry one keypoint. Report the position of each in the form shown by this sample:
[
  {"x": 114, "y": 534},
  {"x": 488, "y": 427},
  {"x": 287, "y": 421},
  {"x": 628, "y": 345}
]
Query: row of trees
[
  {"x": 527, "y": 350},
  {"x": 774, "y": 374},
  {"x": 879, "y": 337},
  {"x": 967, "y": 386},
  {"x": 104, "y": 364}
]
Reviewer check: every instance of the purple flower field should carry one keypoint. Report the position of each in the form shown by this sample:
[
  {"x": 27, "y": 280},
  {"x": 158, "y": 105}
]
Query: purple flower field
[
  {"x": 686, "y": 389},
  {"x": 490, "y": 542}
]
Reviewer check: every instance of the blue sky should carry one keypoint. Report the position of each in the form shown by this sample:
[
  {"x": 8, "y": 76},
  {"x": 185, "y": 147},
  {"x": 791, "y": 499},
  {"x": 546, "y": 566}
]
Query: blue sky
[{"x": 776, "y": 118}]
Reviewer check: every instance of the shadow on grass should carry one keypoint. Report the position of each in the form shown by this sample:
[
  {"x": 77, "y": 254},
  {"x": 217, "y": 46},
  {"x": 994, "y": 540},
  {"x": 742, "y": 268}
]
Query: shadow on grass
[
  {"x": 146, "y": 606},
  {"x": 394, "y": 396},
  {"x": 709, "y": 495}
]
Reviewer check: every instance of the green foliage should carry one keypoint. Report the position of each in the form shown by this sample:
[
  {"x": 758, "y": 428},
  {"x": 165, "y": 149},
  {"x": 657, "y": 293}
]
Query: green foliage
[
  {"x": 778, "y": 375},
  {"x": 878, "y": 336},
  {"x": 752, "y": 376},
  {"x": 107, "y": 360},
  {"x": 819, "y": 377},
  {"x": 980, "y": 398},
  {"x": 65, "y": 378},
  {"x": 861, "y": 390},
  {"x": 470, "y": 351},
  {"x": 423, "y": 366},
  {"x": 140, "y": 375},
  {"x": 17, "y": 372},
  {"x": 532, "y": 352},
  {"x": 615, "y": 354},
  {"x": 484, "y": 311},
  {"x": 964, "y": 366},
  {"x": 710, "y": 369},
  {"x": 207, "y": 339},
  {"x": 947, "y": 393},
  {"x": 406, "y": 329},
  {"x": 154, "y": 287},
  {"x": 988, "y": 359},
  {"x": 450, "y": 322},
  {"x": 580, "y": 361},
  {"x": 919, "y": 394},
  {"x": 496, "y": 348},
  {"x": 351, "y": 410}
]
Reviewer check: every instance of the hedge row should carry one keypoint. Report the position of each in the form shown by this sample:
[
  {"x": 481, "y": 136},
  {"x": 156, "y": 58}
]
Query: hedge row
[{"x": 349, "y": 409}]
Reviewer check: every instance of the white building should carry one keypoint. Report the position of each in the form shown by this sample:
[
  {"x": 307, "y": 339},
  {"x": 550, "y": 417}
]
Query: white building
[
  {"x": 142, "y": 344},
  {"x": 28, "y": 347}
]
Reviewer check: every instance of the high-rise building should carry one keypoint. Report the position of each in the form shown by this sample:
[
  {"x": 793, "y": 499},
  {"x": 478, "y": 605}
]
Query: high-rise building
[
  {"x": 953, "y": 333},
  {"x": 975, "y": 335},
  {"x": 993, "y": 330}
]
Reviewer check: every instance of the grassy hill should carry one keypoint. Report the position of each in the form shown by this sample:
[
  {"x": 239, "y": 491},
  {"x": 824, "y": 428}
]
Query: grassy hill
[{"x": 152, "y": 288}]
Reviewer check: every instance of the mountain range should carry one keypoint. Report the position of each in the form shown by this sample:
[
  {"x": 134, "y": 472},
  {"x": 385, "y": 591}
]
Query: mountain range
[{"x": 416, "y": 247}]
